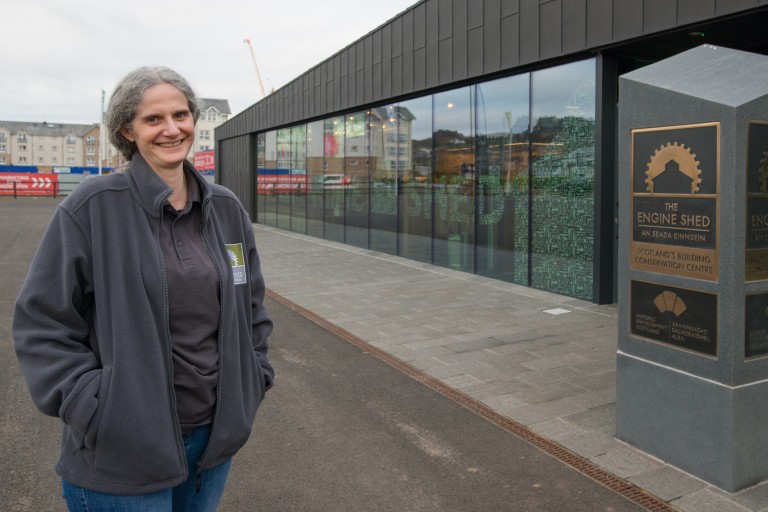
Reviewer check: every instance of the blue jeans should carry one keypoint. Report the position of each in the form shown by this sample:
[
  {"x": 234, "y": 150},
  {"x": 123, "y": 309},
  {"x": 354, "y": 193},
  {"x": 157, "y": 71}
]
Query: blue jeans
[{"x": 182, "y": 498}]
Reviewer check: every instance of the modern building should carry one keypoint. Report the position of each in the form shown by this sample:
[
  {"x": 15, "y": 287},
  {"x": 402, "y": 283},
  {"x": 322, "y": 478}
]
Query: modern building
[{"x": 478, "y": 135}]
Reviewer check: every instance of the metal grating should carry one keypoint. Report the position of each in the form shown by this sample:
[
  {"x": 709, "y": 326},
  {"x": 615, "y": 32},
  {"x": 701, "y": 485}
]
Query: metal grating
[{"x": 619, "y": 485}]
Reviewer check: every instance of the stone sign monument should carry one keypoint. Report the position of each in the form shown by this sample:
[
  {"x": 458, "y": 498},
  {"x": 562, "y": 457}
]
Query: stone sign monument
[{"x": 692, "y": 363}]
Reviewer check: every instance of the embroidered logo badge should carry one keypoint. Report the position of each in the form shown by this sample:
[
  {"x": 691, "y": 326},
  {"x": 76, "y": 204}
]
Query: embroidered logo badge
[{"x": 235, "y": 252}]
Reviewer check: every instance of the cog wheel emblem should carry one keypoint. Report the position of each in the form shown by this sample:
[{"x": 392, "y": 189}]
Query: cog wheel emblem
[
  {"x": 685, "y": 159},
  {"x": 764, "y": 173},
  {"x": 233, "y": 258}
]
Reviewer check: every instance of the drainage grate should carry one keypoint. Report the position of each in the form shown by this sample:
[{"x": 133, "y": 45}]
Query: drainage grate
[{"x": 586, "y": 467}]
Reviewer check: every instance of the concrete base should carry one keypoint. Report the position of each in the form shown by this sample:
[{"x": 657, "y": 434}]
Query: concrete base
[{"x": 714, "y": 432}]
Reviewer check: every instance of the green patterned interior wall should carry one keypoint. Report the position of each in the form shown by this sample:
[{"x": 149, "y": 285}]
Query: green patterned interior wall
[
  {"x": 563, "y": 212},
  {"x": 563, "y": 176}
]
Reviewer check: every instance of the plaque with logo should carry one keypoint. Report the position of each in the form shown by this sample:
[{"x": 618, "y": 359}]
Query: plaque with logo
[
  {"x": 685, "y": 319},
  {"x": 675, "y": 173},
  {"x": 756, "y": 255},
  {"x": 756, "y": 325}
]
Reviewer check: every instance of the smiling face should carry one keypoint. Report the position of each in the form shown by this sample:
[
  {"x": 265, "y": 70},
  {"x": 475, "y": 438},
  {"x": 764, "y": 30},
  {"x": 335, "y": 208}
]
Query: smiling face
[{"x": 163, "y": 128}]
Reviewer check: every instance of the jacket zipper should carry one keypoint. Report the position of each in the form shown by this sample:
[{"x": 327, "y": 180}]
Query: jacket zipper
[
  {"x": 199, "y": 476},
  {"x": 174, "y": 415}
]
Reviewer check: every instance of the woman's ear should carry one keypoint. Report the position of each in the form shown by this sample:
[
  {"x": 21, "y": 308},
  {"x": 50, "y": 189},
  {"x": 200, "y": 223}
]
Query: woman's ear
[{"x": 127, "y": 134}]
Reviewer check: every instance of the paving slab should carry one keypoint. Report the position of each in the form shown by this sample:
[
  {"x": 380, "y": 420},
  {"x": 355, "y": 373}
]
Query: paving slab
[
  {"x": 668, "y": 483},
  {"x": 706, "y": 500}
]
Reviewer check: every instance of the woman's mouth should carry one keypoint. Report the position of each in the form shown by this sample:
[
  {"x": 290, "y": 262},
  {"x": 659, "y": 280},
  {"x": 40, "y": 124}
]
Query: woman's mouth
[{"x": 170, "y": 145}]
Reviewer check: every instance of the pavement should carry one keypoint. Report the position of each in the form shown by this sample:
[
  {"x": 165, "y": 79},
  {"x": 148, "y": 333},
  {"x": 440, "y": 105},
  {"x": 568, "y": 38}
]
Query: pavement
[
  {"x": 540, "y": 364},
  {"x": 343, "y": 431}
]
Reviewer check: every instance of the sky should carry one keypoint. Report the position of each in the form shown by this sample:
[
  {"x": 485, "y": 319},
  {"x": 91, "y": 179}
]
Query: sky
[{"x": 58, "y": 57}]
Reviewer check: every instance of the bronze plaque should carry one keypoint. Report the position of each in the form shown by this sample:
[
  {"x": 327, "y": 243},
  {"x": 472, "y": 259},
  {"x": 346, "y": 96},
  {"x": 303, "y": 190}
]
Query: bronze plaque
[
  {"x": 685, "y": 319},
  {"x": 756, "y": 325},
  {"x": 756, "y": 255},
  {"x": 675, "y": 189}
]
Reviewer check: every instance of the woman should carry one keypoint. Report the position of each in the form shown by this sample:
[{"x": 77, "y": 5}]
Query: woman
[{"x": 141, "y": 323}]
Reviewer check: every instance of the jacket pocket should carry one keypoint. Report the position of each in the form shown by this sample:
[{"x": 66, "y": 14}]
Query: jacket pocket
[
  {"x": 252, "y": 392},
  {"x": 261, "y": 381},
  {"x": 82, "y": 407}
]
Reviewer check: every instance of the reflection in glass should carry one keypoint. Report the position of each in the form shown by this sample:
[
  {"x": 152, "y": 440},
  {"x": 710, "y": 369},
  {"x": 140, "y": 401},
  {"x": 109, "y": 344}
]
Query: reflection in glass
[
  {"x": 261, "y": 140},
  {"x": 295, "y": 186},
  {"x": 383, "y": 190},
  {"x": 412, "y": 147},
  {"x": 454, "y": 180},
  {"x": 315, "y": 179},
  {"x": 496, "y": 178},
  {"x": 268, "y": 177},
  {"x": 284, "y": 158},
  {"x": 563, "y": 172},
  {"x": 356, "y": 178},
  {"x": 333, "y": 179},
  {"x": 502, "y": 147}
]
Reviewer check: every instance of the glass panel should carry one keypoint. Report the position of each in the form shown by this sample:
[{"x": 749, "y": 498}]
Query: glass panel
[
  {"x": 356, "y": 164},
  {"x": 383, "y": 191},
  {"x": 502, "y": 147},
  {"x": 315, "y": 179},
  {"x": 454, "y": 183},
  {"x": 298, "y": 179},
  {"x": 261, "y": 140},
  {"x": 563, "y": 165},
  {"x": 284, "y": 157},
  {"x": 413, "y": 153},
  {"x": 268, "y": 179},
  {"x": 333, "y": 179}
]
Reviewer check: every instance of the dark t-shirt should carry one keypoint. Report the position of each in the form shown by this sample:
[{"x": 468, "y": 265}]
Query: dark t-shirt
[{"x": 193, "y": 298}]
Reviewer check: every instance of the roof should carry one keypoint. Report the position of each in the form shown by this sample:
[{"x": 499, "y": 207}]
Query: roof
[
  {"x": 432, "y": 46},
  {"x": 47, "y": 129},
  {"x": 714, "y": 73},
  {"x": 220, "y": 105}
]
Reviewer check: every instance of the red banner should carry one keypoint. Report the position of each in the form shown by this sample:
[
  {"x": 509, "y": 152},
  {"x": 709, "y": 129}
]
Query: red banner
[
  {"x": 205, "y": 160},
  {"x": 28, "y": 184},
  {"x": 331, "y": 145}
]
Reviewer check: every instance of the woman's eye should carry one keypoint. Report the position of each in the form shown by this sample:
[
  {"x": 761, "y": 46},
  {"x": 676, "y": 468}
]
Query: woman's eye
[
  {"x": 153, "y": 119},
  {"x": 181, "y": 115}
]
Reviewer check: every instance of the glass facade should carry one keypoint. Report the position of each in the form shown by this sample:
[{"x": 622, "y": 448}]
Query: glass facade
[
  {"x": 414, "y": 179},
  {"x": 563, "y": 178},
  {"x": 496, "y": 178}
]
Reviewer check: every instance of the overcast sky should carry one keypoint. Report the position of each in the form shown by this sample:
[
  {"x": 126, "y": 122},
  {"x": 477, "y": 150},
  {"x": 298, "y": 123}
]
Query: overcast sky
[{"x": 58, "y": 56}]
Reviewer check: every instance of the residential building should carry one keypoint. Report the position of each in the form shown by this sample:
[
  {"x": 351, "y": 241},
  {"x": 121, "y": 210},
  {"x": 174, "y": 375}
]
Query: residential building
[
  {"x": 91, "y": 144},
  {"x": 48, "y": 145},
  {"x": 213, "y": 113}
]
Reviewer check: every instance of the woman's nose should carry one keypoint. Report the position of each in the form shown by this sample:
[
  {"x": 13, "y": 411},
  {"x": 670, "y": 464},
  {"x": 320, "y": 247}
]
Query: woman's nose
[{"x": 171, "y": 128}]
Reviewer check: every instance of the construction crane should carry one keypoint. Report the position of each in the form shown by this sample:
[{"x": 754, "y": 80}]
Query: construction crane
[{"x": 256, "y": 67}]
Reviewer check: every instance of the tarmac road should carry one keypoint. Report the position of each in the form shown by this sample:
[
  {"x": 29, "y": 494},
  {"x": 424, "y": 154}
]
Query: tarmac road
[{"x": 340, "y": 431}]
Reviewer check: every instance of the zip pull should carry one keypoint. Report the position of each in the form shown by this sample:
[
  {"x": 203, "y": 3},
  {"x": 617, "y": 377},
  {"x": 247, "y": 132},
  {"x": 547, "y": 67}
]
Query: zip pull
[{"x": 199, "y": 478}]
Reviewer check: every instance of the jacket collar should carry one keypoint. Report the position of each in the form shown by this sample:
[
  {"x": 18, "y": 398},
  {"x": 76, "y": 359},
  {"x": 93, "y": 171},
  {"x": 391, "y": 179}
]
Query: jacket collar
[{"x": 151, "y": 192}]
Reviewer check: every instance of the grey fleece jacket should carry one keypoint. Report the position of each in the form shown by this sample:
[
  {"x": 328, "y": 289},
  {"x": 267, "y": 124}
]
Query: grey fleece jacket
[{"x": 91, "y": 333}]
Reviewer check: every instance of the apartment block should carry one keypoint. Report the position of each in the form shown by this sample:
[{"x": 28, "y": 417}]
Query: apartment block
[{"x": 48, "y": 145}]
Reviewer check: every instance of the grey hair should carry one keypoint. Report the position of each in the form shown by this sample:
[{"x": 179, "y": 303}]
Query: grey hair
[{"x": 127, "y": 97}]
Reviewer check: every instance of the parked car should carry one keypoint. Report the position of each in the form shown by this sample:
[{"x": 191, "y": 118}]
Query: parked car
[{"x": 336, "y": 181}]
